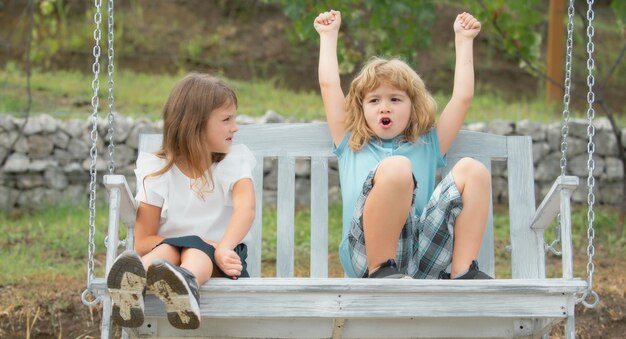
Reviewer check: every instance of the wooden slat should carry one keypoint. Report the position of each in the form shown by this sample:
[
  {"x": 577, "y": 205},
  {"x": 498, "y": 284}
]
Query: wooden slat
[
  {"x": 279, "y": 286},
  {"x": 558, "y": 201},
  {"x": 551, "y": 203},
  {"x": 254, "y": 252},
  {"x": 128, "y": 205},
  {"x": 308, "y": 139},
  {"x": 527, "y": 252},
  {"x": 285, "y": 210},
  {"x": 478, "y": 145},
  {"x": 376, "y": 305},
  {"x": 439, "y": 328},
  {"x": 486, "y": 256},
  {"x": 313, "y": 139},
  {"x": 319, "y": 217},
  {"x": 361, "y": 298},
  {"x": 567, "y": 260},
  {"x": 352, "y": 328}
]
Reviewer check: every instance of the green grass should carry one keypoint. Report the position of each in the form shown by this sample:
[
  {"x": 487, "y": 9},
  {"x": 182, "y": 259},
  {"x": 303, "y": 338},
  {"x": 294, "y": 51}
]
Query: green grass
[
  {"x": 46, "y": 243},
  {"x": 67, "y": 94},
  {"x": 53, "y": 242}
]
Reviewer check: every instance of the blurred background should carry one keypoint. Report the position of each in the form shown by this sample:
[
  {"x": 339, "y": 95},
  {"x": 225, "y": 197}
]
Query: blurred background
[{"x": 268, "y": 51}]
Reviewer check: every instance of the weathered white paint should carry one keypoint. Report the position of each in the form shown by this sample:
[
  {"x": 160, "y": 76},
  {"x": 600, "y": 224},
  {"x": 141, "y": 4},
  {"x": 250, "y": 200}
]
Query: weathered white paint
[{"x": 285, "y": 307}]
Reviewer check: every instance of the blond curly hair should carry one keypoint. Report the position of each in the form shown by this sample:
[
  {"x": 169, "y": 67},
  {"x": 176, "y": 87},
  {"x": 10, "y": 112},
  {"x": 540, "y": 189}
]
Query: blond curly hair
[{"x": 396, "y": 73}]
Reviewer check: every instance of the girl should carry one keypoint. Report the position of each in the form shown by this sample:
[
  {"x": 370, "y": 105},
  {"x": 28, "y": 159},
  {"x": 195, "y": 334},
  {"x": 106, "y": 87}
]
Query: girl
[
  {"x": 196, "y": 206},
  {"x": 396, "y": 223}
]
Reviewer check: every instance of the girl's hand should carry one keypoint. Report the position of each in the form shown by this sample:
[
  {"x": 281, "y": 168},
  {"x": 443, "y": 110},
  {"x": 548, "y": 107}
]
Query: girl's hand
[
  {"x": 327, "y": 22},
  {"x": 228, "y": 261},
  {"x": 466, "y": 25}
]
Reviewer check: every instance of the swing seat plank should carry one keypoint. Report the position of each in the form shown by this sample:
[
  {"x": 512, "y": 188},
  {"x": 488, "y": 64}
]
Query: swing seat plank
[{"x": 527, "y": 305}]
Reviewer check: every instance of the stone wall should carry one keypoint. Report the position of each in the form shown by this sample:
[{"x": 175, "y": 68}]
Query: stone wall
[{"x": 50, "y": 161}]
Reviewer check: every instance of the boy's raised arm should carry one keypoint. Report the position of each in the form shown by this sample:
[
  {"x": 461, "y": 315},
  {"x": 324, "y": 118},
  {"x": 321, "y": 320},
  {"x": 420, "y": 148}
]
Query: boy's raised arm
[
  {"x": 327, "y": 25},
  {"x": 466, "y": 27}
]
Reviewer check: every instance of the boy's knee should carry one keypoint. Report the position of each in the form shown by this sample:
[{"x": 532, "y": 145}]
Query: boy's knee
[
  {"x": 395, "y": 170},
  {"x": 471, "y": 169}
]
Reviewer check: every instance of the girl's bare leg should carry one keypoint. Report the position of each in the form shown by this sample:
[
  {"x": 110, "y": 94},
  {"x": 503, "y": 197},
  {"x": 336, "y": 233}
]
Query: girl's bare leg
[
  {"x": 198, "y": 263},
  {"x": 163, "y": 251}
]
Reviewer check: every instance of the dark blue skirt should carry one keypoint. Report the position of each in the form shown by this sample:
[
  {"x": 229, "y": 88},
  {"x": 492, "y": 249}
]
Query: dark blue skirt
[{"x": 194, "y": 241}]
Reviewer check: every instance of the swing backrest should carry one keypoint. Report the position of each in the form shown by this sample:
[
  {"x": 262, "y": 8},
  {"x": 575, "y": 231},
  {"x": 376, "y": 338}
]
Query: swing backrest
[{"x": 286, "y": 142}]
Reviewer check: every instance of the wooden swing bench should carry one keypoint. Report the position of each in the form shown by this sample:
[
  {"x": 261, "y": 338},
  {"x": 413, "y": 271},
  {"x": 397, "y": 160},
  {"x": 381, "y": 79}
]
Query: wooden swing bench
[{"x": 527, "y": 305}]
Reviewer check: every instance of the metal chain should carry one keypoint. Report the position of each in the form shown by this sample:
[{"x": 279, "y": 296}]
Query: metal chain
[
  {"x": 111, "y": 115},
  {"x": 93, "y": 152},
  {"x": 590, "y": 163},
  {"x": 566, "y": 115},
  {"x": 567, "y": 86}
]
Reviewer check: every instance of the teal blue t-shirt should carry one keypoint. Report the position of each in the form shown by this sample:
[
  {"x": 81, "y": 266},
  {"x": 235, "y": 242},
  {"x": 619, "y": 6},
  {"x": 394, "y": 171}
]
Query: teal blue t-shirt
[{"x": 354, "y": 167}]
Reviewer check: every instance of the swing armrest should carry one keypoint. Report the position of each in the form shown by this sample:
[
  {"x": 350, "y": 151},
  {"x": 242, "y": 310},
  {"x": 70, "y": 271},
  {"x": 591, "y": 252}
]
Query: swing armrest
[
  {"x": 551, "y": 204},
  {"x": 128, "y": 205}
]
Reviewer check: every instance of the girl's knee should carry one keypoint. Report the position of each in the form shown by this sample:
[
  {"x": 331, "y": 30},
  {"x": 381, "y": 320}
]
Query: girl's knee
[
  {"x": 163, "y": 251},
  {"x": 395, "y": 170}
]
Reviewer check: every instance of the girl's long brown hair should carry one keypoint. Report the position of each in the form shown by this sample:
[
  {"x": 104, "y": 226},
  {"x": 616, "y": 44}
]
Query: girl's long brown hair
[
  {"x": 185, "y": 117},
  {"x": 398, "y": 74}
]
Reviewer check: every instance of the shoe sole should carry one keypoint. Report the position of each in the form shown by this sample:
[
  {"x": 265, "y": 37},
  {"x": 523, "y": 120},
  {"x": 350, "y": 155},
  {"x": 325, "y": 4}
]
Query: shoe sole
[
  {"x": 126, "y": 282},
  {"x": 168, "y": 284}
]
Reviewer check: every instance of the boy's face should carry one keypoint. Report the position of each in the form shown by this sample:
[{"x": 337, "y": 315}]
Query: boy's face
[
  {"x": 387, "y": 111},
  {"x": 221, "y": 128}
]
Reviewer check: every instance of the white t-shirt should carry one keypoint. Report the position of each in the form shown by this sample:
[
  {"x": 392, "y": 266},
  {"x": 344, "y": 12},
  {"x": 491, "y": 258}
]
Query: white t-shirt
[{"x": 182, "y": 211}]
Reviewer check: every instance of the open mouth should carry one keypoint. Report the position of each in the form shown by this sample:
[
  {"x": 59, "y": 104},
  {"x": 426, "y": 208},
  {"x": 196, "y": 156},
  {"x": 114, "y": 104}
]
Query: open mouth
[{"x": 385, "y": 122}]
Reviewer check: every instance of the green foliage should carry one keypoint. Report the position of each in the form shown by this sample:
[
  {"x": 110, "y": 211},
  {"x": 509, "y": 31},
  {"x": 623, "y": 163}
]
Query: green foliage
[
  {"x": 372, "y": 27},
  {"x": 520, "y": 25},
  {"x": 619, "y": 8},
  {"x": 49, "y": 29},
  {"x": 519, "y": 22}
]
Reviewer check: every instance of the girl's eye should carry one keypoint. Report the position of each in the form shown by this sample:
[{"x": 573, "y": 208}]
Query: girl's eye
[
  {"x": 373, "y": 100},
  {"x": 395, "y": 99},
  {"x": 227, "y": 119}
]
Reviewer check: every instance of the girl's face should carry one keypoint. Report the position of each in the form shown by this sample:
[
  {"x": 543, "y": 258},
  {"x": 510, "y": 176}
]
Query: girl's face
[
  {"x": 387, "y": 111},
  {"x": 221, "y": 128}
]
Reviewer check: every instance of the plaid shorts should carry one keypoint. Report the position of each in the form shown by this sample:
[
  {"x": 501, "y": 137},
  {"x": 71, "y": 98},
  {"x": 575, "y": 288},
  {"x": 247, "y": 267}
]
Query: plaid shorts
[{"x": 425, "y": 244}]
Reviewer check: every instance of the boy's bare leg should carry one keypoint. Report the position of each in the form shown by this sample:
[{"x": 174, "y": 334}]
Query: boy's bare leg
[
  {"x": 386, "y": 209},
  {"x": 474, "y": 183}
]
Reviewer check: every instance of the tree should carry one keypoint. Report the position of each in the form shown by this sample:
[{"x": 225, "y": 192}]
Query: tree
[
  {"x": 371, "y": 27},
  {"x": 513, "y": 20}
]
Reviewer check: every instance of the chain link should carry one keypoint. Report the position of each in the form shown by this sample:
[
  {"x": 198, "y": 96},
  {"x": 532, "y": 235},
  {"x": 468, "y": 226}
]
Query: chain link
[
  {"x": 110, "y": 68},
  {"x": 565, "y": 117},
  {"x": 93, "y": 153},
  {"x": 590, "y": 163},
  {"x": 567, "y": 86}
]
